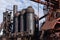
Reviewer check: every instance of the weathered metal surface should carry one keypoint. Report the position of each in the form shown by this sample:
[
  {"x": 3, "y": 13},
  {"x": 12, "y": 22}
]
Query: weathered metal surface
[
  {"x": 49, "y": 25},
  {"x": 30, "y": 20},
  {"x": 22, "y": 22}
]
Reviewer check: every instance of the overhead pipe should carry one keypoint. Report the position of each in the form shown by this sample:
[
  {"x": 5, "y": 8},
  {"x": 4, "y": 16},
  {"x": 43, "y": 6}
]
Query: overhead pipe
[{"x": 43, "y": 16}]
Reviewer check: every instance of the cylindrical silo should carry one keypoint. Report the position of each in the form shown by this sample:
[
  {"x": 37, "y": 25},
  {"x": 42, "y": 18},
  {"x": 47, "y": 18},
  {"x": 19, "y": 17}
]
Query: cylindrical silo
[
  {"x": 30, "y": 20},
  {"x": 22, "y": 22}
]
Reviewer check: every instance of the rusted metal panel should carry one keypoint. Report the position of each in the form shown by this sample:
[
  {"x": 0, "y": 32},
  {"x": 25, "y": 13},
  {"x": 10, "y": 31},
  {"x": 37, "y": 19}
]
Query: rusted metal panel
[
  {"x": 53, "y": 20},
  {"x": 49, "y": 25}
]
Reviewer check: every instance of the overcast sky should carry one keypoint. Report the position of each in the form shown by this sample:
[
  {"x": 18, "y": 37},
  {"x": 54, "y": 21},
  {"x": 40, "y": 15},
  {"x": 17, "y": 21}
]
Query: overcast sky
[{"x": 21, "y": 5}]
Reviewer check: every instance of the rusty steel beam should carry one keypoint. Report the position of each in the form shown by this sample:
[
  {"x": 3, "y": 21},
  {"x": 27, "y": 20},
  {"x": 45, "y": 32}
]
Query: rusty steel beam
[{"x": 44, "y": 3}]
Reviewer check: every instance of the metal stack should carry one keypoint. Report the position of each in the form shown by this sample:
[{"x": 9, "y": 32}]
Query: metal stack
[
  {"x": 22, "y": 26},
  {"x": 30, "y": 20}
]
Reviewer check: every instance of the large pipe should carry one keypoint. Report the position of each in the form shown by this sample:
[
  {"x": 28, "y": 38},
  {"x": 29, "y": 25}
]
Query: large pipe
[
  {"x": 30, "y": 20},
  {"x": 43, "y": 16}
]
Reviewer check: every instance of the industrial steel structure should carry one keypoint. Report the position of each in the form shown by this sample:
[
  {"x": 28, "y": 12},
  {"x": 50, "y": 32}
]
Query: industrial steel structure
[
  {"x": 25, "y": 23},
  {"x": 22, "y": 26}
]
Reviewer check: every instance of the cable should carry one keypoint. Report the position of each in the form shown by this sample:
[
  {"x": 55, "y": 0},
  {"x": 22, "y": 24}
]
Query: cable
[
  {"x": 38, "y": 15},
  {"x": 38, "y": 9}
]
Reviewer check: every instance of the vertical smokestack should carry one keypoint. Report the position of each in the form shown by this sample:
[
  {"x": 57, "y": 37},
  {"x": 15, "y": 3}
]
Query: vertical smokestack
[
  {"x": 14, "y": 9},
  {"x": 30, "y": 20},
  {"x": 14, "y": 17}
]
